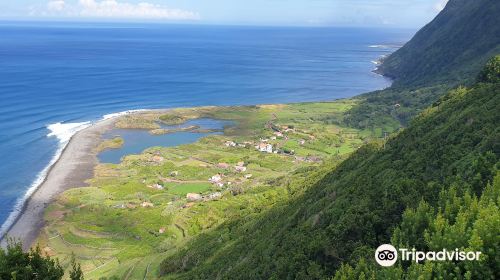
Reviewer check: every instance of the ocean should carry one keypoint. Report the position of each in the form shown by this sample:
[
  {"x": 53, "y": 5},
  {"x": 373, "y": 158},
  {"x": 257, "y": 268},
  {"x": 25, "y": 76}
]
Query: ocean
[{"x": 57, "y": 78}]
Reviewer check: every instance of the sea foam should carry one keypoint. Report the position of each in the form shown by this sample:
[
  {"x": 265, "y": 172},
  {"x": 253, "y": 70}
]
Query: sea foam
[
  {"x": 63, "y": 132},
  {"x": 114, "y": 115}
]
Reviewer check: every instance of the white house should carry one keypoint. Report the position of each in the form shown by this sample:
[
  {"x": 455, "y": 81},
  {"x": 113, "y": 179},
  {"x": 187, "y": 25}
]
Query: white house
[
  {"x": 240, "y": 168},
  {"x": 230, "y": 144},
  {"x": 216, "y": 178},
  {"x": 264, "y": 147}
]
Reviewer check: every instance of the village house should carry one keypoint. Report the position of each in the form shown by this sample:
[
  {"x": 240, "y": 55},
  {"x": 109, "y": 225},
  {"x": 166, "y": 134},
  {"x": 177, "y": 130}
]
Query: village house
[
  {"x": 273, "y": 138},
  {"x": 174, "y": 173},
  {"x": 240, "y": 168},
  {"x": 156, "y": 186},
  {"x": 216, "y": 178},
  {"x": 157, "y": 159},
  {"x": 194, "y": 197},
  {"x": 302, "y": 141},
  {"x": 264, "y": 147},
  {"x": 248, "y": 176},
  {"x": 230, "y": 144},
  {"x": 278, "y": 134},
  {"x": 223, "y": 165}
]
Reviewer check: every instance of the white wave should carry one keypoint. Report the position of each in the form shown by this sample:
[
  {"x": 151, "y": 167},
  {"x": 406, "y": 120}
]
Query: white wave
[
  {"x": 63, "y": 132},
  {"x": 385, "y": 46},
  {"x": 379, "y": 46},
  {"x": 128, "y": 112}
]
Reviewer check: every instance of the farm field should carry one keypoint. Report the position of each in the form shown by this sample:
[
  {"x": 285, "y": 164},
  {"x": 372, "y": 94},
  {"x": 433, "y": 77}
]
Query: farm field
[{"x": 137, "y": 212}]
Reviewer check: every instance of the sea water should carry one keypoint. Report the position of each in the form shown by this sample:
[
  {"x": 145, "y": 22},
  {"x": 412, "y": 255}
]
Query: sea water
[{"x": 58, "y": 78}]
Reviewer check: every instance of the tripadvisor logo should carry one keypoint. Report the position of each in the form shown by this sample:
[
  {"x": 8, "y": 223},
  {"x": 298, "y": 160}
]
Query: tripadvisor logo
[{"x": 387, "y": 255}]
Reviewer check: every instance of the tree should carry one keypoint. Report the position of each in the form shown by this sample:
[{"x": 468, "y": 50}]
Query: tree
[
  {"x": 15, "y": 264},
  {"x": 32, "y": 265},
  {"x": 76, "y": 271}
]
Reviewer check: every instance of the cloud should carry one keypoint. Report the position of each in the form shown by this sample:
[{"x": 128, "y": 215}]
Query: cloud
[
  {"x": 116, "y": 9},
  {"x": 56, "y": 5},
  {"x": 439, "y": 6}
]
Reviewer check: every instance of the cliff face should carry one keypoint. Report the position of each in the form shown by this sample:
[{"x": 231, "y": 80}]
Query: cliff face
[{"x": 452, "y": 48}]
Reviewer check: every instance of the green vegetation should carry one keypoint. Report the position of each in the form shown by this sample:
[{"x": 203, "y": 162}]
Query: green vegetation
[
  {"x": 446, "y": 53},
  {"x": 183, "y": 189},
  {"x": 114, "y": 143},
  {"x": 135, "y": 213},
  {"x": 33, "y": 265},
  {"x": 332, "y": 181},
  {"x": 355, "y": 207},
  {"x": 172, "y": 119},
  {"x": 451, "y": 49},
  {"x": 457, "y": 221}
]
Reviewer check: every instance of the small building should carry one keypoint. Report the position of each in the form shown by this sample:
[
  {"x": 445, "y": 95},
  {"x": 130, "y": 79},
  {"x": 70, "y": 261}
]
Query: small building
[
  {"x": 302, "y": 141},
  {"x": 240, "y": 168},
  {"x": 223, "y": 165},
  {"x": 156, "y": 186},
  {"x": 161, "y": 230},
  {"x": 264, "y": 147},
  {"x": 278, "y": 134},
  {"x": 174, "y": 173},
  {"x": 157, "y": 159},
  {"x": 216, "y": 178},
  {"x": 230, "y": 144},
  {"x": 248, "y": 176},
  {"x": 194, "y": 197}
]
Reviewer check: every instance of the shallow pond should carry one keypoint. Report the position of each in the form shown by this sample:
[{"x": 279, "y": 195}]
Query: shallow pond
[{"x": 138, "y": 140}]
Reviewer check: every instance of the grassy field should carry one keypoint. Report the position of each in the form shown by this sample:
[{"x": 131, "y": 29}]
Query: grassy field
[{"x": 135, "y": 213}]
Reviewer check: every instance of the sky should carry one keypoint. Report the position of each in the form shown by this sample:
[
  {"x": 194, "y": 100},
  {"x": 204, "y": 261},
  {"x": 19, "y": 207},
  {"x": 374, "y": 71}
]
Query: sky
[{"x": 391, "y": 13}]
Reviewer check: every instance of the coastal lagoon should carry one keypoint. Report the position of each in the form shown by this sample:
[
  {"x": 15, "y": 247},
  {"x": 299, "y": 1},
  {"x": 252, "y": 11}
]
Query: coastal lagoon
[
  {"x": 137, "y": 140},
  {"x": 57, "y": 78}
]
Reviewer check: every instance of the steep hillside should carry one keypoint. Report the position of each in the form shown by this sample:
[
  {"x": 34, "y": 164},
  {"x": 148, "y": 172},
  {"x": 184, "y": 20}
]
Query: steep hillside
[
  {"x": 460, "y": 221},
  {"x": 447, "y": 52},
  {"x": 450, "y": 49},
  {"x": 356, "y": 206}
]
